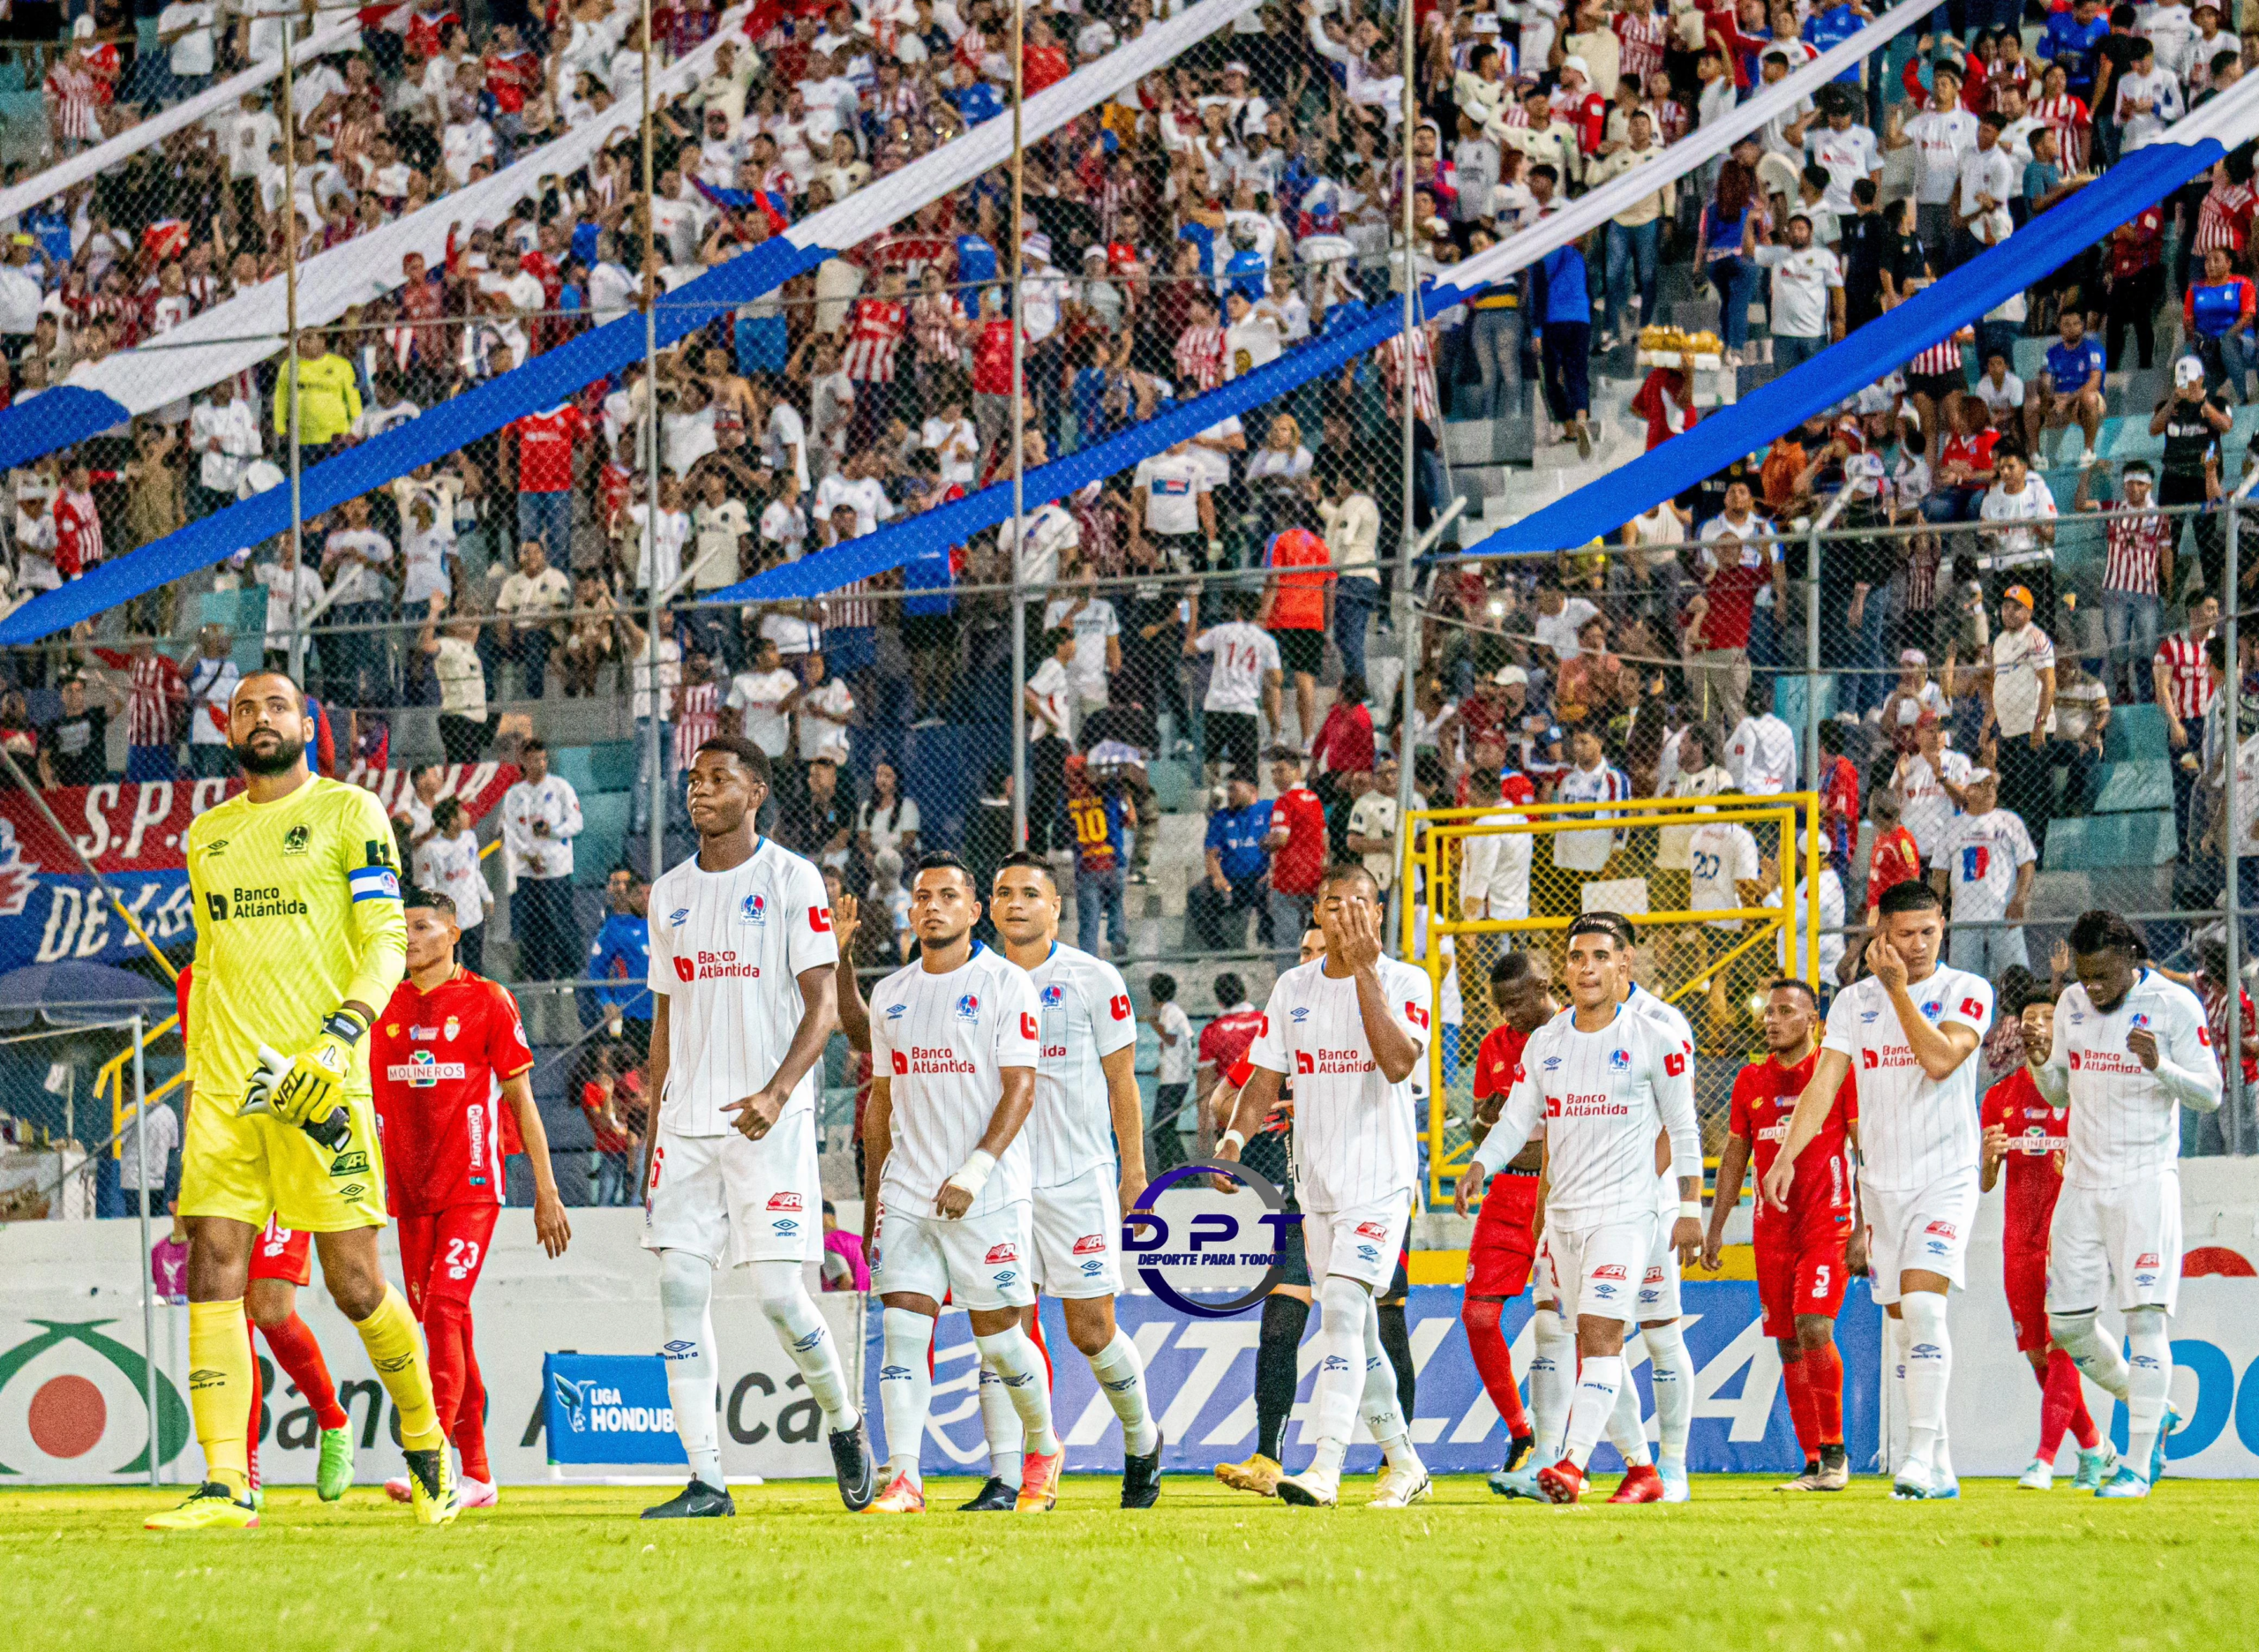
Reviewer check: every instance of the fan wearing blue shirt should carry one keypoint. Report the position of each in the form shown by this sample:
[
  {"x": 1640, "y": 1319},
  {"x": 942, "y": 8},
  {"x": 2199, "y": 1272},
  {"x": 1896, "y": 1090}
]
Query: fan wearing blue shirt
[
  {"x": 975, "y": 99},
  {"x": 620, "y": 957},
  {"x": 2069, "y": 389},
  {"x": 2072, "y": 38},
  {"x": 1831, "y": 26},
  {"x": 1238, "y": 871}
]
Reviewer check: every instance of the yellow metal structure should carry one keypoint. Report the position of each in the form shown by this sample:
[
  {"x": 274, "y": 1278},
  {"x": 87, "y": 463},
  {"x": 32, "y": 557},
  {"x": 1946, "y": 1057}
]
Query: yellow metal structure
[
  {"x": 1696, "y": 958},
  {"x": 111, "y": 1081}
]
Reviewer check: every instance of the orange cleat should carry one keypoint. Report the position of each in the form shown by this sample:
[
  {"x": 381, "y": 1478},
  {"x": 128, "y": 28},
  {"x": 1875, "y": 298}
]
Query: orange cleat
[
  {"x": 1641, "y": 1484},
  {"x": 1039, "y": 1482},
  {"x": 1563, "y": 1482},
  {"x": 905, "y": 1496}
]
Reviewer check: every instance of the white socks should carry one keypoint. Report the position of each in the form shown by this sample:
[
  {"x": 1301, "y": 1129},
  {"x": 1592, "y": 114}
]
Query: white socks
[
  {"x": 1378, "y": 1402},
  {"x": 2144, "y": 1381},
  {"x": 1597, "y": 1385},
  {"x": 905, "y": 1389},
  {"x": 1627, "y": 1427},
  {"x": 1927, "y": 1350},
  {"x": 1552, "y": 1380},
  {"x": 800, "y": 1326},
  {"x": 1121, "y": 1372},
  {"x": 1013, "y": 1357},
  {"x": 686, "y": 1319},
  {"x": 1000, "y": 1426},
  {"x": 1673, "y": 1374},
  {"x": 1346, "y": 1305}
]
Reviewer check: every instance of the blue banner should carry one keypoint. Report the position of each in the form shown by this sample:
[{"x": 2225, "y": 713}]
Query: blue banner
[
  {"x": 1201, "y": 1376},
  {"x": 608, "y": 1408}
]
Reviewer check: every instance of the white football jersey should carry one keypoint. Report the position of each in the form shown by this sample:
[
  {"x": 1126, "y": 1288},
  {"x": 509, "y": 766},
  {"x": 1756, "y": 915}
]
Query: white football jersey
[
  {"x": 728, "y": 949},
  {"x": 1913, "y": 1128},
  {"x": 1085, "y": 1016},
  {"x": 943, "y": 1042},
  {"x": 2125, "y": 1119},
  {"x": 1603, "y": 1097},
  {"x": 1673, "y": 1020},
  {"x": 1718, "y": 857},
  {"x": 1353, "y": 1128}
]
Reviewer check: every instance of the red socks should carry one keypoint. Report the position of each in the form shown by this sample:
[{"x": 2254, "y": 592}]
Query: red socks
[
  {"x": 468, "y": 1432},
  {"x": 446, "y": 1343},
  {"x": 1795, "y": 1378},
  {"x": 2062, "y": 1405},
  {"x": 298, "y": 1354},
  {"x": 257, "y": 1403},
  {"x": 1494, "y": 1362},
  {"x": 1824, "y": 1374}
]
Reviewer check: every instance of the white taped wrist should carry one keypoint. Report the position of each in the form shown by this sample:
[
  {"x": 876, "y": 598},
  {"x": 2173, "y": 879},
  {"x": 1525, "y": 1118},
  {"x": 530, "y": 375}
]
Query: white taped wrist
[
  {"x": 974, "y": 1174},
  {"x": 1232, "y": 1139},
  {"x": 1691, "y": 1209}
]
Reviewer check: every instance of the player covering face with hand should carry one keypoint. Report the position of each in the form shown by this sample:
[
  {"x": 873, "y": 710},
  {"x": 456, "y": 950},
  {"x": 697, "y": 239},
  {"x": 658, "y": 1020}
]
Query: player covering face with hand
[
  {"x": 741, "y": 977},
  {"x": 1349, "y": 1028}
]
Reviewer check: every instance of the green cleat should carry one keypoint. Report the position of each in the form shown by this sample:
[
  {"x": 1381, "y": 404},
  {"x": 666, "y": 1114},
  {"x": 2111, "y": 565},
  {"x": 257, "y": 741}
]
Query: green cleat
[{"x": 334, "y": 1478}]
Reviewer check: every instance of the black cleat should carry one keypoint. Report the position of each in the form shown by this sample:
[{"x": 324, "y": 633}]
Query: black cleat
[
  {"x": 1141, "y": 1476},
  {"x": 1518, "y": 1450},
  {"x": 695, "y": 1501},
  {"x": 996, "y": 1498},
  {"x": 852, "y": 1467}
]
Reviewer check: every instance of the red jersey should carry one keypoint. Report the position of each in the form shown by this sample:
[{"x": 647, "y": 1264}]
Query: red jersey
[
  {"x": 436, "y": 1059},
  {"x": 1732, "y": 590},
  {"x": 992, "y": 358},
  {"x": 545, "y": 443},
  {"x": 1298, "y": 601},
  {"x": 426, "y": 28},
  {"x": 1299, "y": 862},
  {"x": 2038, "y": 1136},
  {"x": 508, "y": 74},
  {"x": 1495, "y": 1061},
  {"x": 1225, "y": 1039},
  {"x": 1763, "y": 1095},
  {"x": 1896, "y": 861}
]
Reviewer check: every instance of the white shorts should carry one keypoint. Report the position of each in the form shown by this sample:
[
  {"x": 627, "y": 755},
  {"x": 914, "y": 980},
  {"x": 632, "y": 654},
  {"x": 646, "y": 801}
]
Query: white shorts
[
  {"x": 2131, "y": 1235},
  {"x": 1362, "y": 1242},
  {"x": 1077, "y": 1230},
  {"x": 1598, "y": 1269},
  {"x": 1658, "y": 1284},
  {"x": 1544, "y": 1289},
  {"x": 1925, "y": 1227},
  {"x": 732, "y": 1200},
  {"x": 982, "y": 1262}
]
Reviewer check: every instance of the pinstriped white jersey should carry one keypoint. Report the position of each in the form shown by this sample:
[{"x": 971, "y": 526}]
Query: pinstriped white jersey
[
  {"x": 1084, "y": 1015},
  {"x": 2125, "y": 1124},
  {"x": 727, "y": 948},
  {"x": 1913, "y": 1128},
  {"x": 1603, "y": 1097},
  {"x": 1673, "y": 1020},
  {"x": 1353, "y": 1128},
  {"x": 943, "y": 1042}
]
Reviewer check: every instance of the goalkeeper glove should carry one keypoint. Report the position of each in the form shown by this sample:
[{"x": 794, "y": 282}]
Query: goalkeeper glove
[{"x": 306, "y": 1089}]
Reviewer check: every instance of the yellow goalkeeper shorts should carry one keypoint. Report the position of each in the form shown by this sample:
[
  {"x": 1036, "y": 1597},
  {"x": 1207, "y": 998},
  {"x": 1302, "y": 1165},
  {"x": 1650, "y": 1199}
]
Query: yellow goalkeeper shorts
[{"x": 244, "y": 1167}]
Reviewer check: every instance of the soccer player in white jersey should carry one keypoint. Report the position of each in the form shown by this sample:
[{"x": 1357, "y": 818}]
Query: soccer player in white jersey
[
  {"x": 742, "y": 956},
  {"x": 1602, "y": 1080},
  {"x": 1350, "y": 1028},
  {"x": 2128, "y": 1050},
  {"x": 1086, "y": 1105},
  {"x": 1912, "y": 1027},
  {"x": 946, "y": 1178}
]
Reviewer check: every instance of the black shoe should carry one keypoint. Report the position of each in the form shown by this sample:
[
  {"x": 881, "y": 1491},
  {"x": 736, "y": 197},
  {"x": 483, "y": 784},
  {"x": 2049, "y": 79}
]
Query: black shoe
[
  {"x": 852, "y": 1467},
  {"x": 1518, "y": 1450},
  {"x": 1141, "y": 1476},
  {"x": 695, "y": 1501},
  {"x": 1834, "y": 1457},
  {"x": 996, "y": 1498}
]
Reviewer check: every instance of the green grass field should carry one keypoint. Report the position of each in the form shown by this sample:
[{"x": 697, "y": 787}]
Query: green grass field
[{"x": 1740, "y": 1566}]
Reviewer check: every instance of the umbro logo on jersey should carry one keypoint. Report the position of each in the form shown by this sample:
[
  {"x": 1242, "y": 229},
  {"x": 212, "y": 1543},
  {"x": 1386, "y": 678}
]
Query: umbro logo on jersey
[
  {"x": 753, "y": 909},
  {"x": 894, "y": 1012},
  {"x": 1551, "y": 1062},
  {"x": 785, "y": 1201},
  {"x": 1301, "y": 1014},
  {"x": 679, "y": 916},
  {"x": 1053, "y": 995},
  {"x": 1869, "y": 1017},
  {"x": 1005, "y": 1252}
]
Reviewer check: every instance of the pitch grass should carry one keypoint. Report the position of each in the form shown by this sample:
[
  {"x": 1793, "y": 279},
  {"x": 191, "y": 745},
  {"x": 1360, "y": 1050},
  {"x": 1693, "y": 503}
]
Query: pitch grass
[{"x": 1741, "y": 1567}]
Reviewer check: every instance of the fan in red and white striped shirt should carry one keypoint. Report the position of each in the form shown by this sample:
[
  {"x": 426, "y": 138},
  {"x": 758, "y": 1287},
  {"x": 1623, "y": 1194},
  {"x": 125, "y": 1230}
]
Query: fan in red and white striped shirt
[
  {"x": 2181, "y": 672},
  {"x": 1941, "y": 357},
  {"x": 157, "y": 688},
  {"x": 2224, "y": 217},
  {"x": 698, "y": 716},
  {"x": 1426, "y": 405},
  {"x": 75, "y": 96},
  {"x": 1200, "y": 349},
  {"x": 875, "y": 330},
  {"x": 1639, "y": 36},
  {"x": 2067, "y": 117},
  {"x": 2138, "y": 539}
]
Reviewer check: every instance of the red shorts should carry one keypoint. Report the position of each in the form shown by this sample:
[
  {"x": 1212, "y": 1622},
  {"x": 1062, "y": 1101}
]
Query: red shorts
[
  {"x": 441, "y": 1253},
  {"x": 2025, "y": 1275},
  {"x": 1800, "y": 1269},
  {"x": 279, "y": 1253},
  {"x": 1503, "y": 1250}
]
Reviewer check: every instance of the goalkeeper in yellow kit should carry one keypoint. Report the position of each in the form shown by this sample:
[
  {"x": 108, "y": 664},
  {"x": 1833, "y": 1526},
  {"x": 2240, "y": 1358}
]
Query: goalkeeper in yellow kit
[{"x": 300, "y": 940}]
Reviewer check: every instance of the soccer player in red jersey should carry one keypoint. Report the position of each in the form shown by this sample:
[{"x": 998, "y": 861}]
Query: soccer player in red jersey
[
  {"x": 281, "y": 1261},
  {"x": 444, "y": 1043},
  {"x": 1804, "y": 1254},
  {"x": 2029, "y": 1138},
  {"x": 1504, "y": 1245}
]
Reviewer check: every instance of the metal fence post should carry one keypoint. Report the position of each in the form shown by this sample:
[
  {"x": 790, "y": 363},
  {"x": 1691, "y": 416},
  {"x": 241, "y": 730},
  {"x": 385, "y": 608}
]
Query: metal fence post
[
  {"x": 1018, "y": 232},
  {"x": 1407, "y": 625},
  {"x": 296, "y": 642},
  {"x": 2231, "y": 897},
  {"x": 1826, "y": 520},
  {"x": 657, "y": 744},
  {"x": 148, "y": 1277}
]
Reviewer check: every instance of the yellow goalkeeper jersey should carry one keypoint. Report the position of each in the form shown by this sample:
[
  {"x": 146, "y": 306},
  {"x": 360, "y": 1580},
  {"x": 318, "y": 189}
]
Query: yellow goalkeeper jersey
[{"x": 298, "y": 910}]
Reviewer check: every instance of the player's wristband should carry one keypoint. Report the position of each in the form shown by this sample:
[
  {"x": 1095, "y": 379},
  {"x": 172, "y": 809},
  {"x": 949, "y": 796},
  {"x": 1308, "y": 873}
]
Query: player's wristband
[
  {"x": 1232, "y": 1139},
  {"x": 1690, "y": 1209},
  {"x": 974, "y": 1174},
  {"x": 343, "y": 1023}
]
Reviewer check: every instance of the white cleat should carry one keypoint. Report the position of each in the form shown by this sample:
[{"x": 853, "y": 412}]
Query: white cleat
[
  {"x": 1310, "y": 1490},
  {"x": 2040, "y": 1476},
  {"x": 1675, "y": 1489},
  {"x": 1402, "y": 1487},
  {"x": 472, "y": 1494},
  {"x": 1912, "y": 1483}
]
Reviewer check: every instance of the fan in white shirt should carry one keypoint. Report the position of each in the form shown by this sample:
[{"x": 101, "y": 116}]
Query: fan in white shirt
[
  {"x": 1912, "y": 1029},
  {"x": 2127, "y": 1051},
  {"x": 1986, "y": 858},
  {"x": 1086, "y": 1108},
  {"x": 1602, "y": 1079},
  {"x": 1761, "y": 753},
  {"x": 1351, "y": 1027},
  {"x": 742, "y": 973},
  {"x": 954, "y": 1051}
]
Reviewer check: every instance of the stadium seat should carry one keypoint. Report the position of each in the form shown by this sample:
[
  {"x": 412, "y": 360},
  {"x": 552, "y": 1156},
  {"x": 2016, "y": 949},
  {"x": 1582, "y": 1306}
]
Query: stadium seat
[
  {"x": 2031, "y": 357},
  {"x": 1788, "y": 701},
  {"x": 603, "y": 828},
  {"x": 2135, "y": 787},
  {"x": 244, "y": 614},
  {"x": 571, "y": 765},
  {"x": 612, "y": 764},
  {"x": 2099, "y": 842},
  {"x": 2129, "y": 437},
  {"x": 2135, "y": 732}
]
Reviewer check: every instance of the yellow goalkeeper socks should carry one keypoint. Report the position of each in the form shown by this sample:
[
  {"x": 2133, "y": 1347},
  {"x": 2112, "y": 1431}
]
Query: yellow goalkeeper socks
[
  {"x": 396, "y": 1350},
  {"x": 219, "y": 1390}
]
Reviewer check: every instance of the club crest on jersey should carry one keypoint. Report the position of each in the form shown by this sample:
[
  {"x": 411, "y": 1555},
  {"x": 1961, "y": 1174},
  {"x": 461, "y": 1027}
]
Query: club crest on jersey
[
  {"x": 968, "y": 1007},
  {"x": 453, "y": 1028},
  {"x": 1005, "y": 1252},
  {"x": 295, "y": 840},
  {"x": 1619, "y": 1061},
  {"x": 753, "y": 909},
  {"x": 1090, "y": 1245},
  {"x": 785, "y": 1201},
  {"x": 679, "y": 917},
  {"x": 1930, "y": 1010},
  {"x": 1053, "y": 995},
  {"x": 2139, "y": 1021}
]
